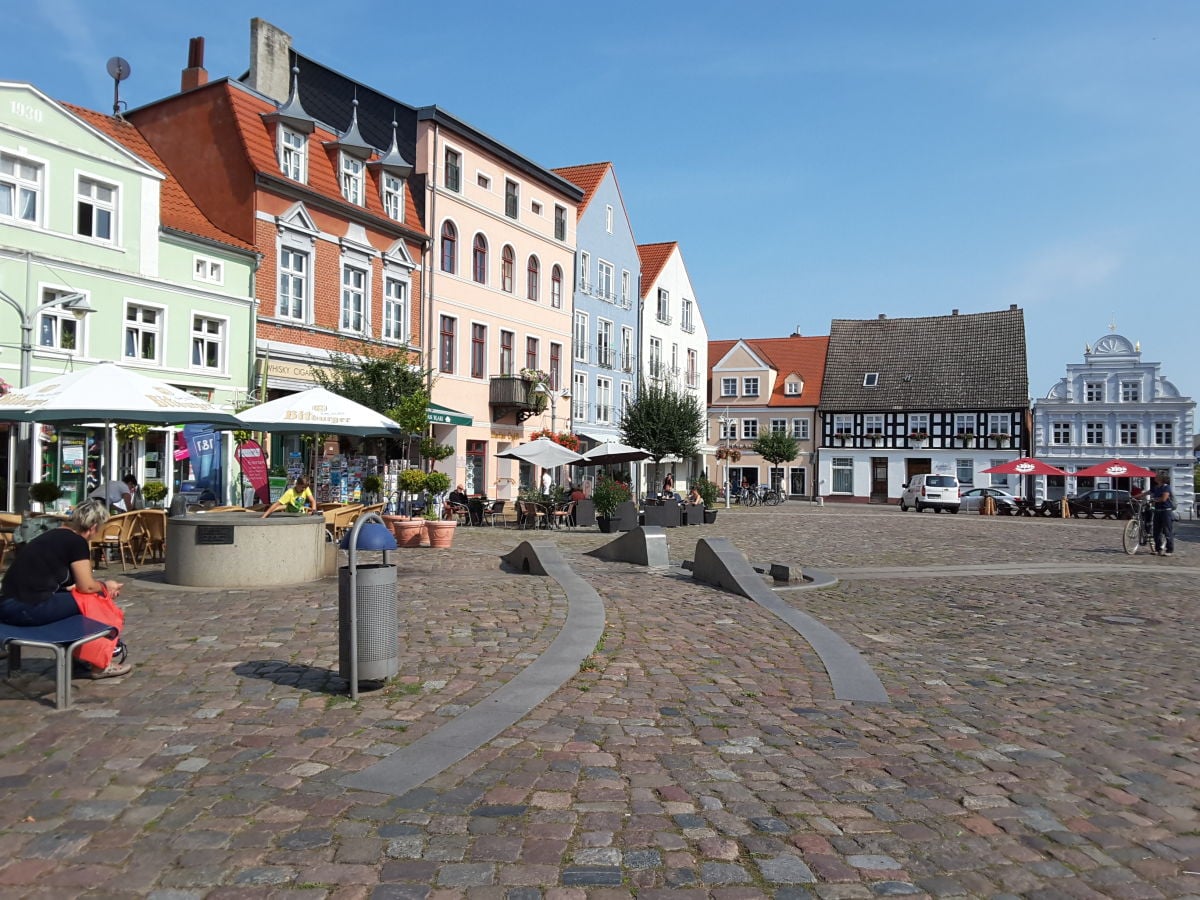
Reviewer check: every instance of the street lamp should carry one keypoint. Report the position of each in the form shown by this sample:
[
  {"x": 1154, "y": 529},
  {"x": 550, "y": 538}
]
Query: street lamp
[
  {"x": 555, "y": 396},
  {"x": 79, "y": 307},
  {"x": 724, "y": 434}
]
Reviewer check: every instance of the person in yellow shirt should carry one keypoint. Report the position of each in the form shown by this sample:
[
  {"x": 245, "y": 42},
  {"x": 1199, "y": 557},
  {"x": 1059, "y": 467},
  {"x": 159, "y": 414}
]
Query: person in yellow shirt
[{"x": 297, "y": 498}]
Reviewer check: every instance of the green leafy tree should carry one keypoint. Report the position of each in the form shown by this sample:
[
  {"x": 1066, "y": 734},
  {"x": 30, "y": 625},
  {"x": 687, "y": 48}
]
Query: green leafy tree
[
  {"x": 776, "y": 447},
  {"x": 664, "y": 421}
]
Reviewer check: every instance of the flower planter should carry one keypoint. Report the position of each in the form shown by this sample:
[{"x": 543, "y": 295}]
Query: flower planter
[
  {"x": 607, "y": 524},
  {"x": 409, "y": 532},
  {"x": 710, "y": 516},
  {"x": 440, "y": 532},
  {"x": 917, "y": 445}
]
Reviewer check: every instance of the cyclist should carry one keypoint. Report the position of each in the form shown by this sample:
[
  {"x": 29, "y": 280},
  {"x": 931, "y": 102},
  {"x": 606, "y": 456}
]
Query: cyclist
[{"x": 1163, "y": 500}]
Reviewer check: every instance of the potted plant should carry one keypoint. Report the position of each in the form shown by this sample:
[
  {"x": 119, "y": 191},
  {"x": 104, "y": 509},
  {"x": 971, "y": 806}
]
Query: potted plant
[
  {"x": 708, "y": 493},
  {"x": 918, "y": 438},
  {"x": 607, "y": 495},
  {"x": 128, "y": 431},
  {"x": 42, "y": 493},
  {"x": 440, "y": 532},
  {"x": 155, "y": 493},
  {"x": 1001, "y": 438},
  {"x": 371, "y": 486},
  {"x": 876, "y": 438},
  {"x": 967, "y": 438},
  {"x": 409, "y": 532},
  {"x": 840, "y": 438}
]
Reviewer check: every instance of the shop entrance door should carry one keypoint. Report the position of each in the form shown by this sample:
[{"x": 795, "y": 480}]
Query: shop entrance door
[{"x": 879, "y": 483}]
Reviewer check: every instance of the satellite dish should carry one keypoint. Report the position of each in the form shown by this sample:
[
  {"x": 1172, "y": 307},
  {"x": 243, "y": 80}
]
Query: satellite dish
[{"x": 119, "y": 69}]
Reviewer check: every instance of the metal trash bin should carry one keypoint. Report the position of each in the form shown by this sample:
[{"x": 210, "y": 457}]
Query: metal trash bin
[{"x": 368, "y": 624}]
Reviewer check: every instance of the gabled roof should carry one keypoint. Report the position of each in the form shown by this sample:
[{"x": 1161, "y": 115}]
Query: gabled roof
[
  {"x": 973, "y": 361},
  {"x": 178, "y": 211},
  {"x": 654, "y": 257},
  {"x": 586, "y": 177},
  {"x": 803, "y": 356}
]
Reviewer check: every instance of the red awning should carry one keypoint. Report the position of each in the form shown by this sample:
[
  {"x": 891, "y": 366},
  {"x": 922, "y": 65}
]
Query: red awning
[
  {"x": 1026, "y": 465},
  {"x": 1115, "y": 468}
]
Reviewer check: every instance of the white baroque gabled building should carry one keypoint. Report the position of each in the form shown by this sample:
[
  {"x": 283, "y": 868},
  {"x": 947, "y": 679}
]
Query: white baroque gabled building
[{"x": 1114, "y": 405}]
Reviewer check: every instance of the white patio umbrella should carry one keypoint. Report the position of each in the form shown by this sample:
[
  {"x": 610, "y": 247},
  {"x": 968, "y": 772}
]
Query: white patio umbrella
[
  {"x": 319, "y": 411},
  {"x": 610, "y": 453},
  {"x": 108, "y": 393},
  {"x": 542, "y": 452}
]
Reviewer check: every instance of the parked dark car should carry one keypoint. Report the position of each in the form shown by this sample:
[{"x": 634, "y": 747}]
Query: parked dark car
[{"x": 1104, "y": 502}]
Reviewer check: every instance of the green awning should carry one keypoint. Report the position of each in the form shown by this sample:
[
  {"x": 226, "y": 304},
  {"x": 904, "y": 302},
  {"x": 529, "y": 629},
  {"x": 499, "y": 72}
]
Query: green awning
[{"x": 443, "y": 415}]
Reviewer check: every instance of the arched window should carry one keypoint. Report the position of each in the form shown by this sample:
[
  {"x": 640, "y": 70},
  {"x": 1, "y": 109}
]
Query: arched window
[
  {"x": 449, "y": 247},
  {"x": 556, "y": 278},
  {"x": 479, "y": 254},
  {"x": 534, "y": 273},
  {"x": 508, "y": 261}
]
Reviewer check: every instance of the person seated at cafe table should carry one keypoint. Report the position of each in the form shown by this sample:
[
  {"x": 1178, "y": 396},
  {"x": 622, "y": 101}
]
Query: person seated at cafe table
[
  {"x": 119, "y": 495},
  {"x": 296, "y": 499},
  {"x": 574, "y": 492},
  {"x": 694, "y": 497}
]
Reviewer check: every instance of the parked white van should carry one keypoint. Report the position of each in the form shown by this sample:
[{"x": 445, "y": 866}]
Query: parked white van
[{"x": 931, "y": 492}]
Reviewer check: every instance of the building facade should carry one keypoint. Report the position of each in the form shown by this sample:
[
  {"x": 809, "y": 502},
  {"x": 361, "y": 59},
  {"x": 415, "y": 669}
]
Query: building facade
[
  {"x": 87, "y": 208},
  {"x": 604, "y": 345},
  {"x": 903, "y": 397},
  {"x": 757, "y": 386},
  {"x": 1114, "y": 405},
  {"x": 495, "y": 313}
]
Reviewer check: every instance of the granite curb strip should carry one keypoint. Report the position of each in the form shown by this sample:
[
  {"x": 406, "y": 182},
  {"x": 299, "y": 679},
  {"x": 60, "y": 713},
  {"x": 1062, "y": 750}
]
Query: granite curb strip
[{"x": 432, "y": 754}]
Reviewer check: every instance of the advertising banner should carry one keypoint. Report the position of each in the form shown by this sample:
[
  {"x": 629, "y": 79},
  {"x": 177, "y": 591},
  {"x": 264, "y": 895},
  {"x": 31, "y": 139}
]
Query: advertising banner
[
  {"x": 204, "y": 454},
  {"x": 254, "y": 467}
]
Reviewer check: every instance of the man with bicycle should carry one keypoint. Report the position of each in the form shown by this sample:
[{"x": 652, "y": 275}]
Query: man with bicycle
[{"x": 1162, "y": 498}]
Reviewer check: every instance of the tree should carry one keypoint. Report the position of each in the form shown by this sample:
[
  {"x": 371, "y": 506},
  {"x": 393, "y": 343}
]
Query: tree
[
  {"x": 663, "y": 421},
  {"x": 388, "y": 383},
  {"x": 776, "y": 447}
]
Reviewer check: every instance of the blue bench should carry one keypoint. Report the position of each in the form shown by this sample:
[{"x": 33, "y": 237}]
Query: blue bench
[{"x": 61, "y": 638}]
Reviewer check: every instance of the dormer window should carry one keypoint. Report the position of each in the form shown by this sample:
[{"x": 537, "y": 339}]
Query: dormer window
[
  {"x": 293, "y": 154},
  {"x": 393, "y": 197},
  {"x": 353, "y": 172},
  {"x": 792, "y": 388},
  {"x": 871, "y": 379}
]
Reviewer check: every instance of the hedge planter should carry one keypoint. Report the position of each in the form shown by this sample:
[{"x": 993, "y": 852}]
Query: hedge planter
[
  {"x": 710, "y": 516},
  {"x": 409, "y": 532},
  {"x": 440, "y": 532}
]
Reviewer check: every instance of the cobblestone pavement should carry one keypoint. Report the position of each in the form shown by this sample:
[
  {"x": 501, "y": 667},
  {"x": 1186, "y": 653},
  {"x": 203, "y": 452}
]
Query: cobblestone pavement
[{"x": 1041, "y": 739}]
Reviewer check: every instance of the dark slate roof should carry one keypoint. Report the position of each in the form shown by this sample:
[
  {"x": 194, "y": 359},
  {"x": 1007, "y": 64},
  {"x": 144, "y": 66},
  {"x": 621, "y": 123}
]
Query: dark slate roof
[{"x": 974, "y": 361}]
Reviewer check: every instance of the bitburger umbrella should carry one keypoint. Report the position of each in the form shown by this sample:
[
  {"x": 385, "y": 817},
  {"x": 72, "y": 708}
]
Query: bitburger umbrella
[
  {"x": 320, "y": 411},
  {"x": 1026, "y": 465},
  {"x": 1114, "y": 468}
]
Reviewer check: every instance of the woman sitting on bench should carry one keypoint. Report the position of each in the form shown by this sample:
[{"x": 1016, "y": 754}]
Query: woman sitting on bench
[{"x": 36, "y": 589}]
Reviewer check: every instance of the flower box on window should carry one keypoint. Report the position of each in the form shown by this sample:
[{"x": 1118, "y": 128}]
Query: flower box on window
[
  {"x": 918, "y": 439},
  {"x": 967, "y": 438},
  {"x": 876, "y": 439},
  {"x": 1000, "y": 438},
  {"x": 840, "y": 438}
]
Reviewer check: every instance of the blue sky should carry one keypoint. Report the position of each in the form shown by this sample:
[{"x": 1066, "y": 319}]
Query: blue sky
[{"x": 814, "y": 159}]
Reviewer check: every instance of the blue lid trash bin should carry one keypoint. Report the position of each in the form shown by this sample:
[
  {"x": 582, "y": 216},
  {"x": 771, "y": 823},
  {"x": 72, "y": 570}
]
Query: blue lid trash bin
[{"x": 368, "y": 623}]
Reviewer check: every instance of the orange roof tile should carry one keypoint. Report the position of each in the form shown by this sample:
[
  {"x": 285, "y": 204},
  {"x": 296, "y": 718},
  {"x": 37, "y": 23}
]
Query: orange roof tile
[
  {"x": 654, "y": 257},
  {"x": 586, "y": 177},
  {"x": 804, "y": 356},
  {"x": 323, "y": 176},
  {"x": 177, "y": 209}
]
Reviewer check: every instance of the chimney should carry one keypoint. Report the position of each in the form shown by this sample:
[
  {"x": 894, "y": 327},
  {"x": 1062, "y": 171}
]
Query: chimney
[
  {"x": 954, "y": 312},
  {"x": 796, "y": 332},
  {"x": 195, "y": 74},
  {"x": 270, "y": 60},
  {"x": 883, "y": 315}
]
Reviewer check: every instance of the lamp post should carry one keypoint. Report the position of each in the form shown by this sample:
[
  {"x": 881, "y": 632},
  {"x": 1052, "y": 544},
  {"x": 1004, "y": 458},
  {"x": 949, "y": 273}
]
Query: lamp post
[
  {"x": 724, "y": 434},
  {"x": 80, "y": 308}
]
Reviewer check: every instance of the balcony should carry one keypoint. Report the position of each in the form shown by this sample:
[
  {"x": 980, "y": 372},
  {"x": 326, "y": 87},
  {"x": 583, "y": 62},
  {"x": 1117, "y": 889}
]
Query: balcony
[
  {"x": 604, "y": 357},
  {"x": 513, "y": 395}
]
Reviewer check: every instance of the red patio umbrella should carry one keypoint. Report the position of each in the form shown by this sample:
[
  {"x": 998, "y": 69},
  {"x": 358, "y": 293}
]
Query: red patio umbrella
[
  {"x": 1115, "y": 468},
  {"x": 1026, "y": 465}
]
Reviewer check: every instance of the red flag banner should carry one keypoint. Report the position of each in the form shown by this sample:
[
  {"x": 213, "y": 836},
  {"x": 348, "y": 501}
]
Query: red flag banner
[{"x": 254, "y": 467}]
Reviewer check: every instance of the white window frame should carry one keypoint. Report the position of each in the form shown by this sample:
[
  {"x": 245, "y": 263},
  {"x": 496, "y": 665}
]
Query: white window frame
[
  {"x": 395, "y": 309},
  {"x": 1164, "y": 434},
  {"x": 729, "y": 386},
  {"x": 841, "y": 475},
  {"x": 1129, "y": 433},
  {"x": 608, "y": 218},
  {"x": 560, "y": 222},
  {"x": 354, "y": 294},
  {"x": 693, "y": 368},
  {"x": 295, "y": 276},
  {"x": 999, "y": 423},
  {"x": 604, "y": 343},
  {"x": 656, "y": 358},
  {"x": 626, "y": 396},
  {"x": 512, "y": 190},
  {"x": 964, "y": 423},
  {"x": 843, "y": 425},
  {"x": 102, "y": 210},
  {"x": 204, "y": 336},
  {"x": 1093, "y": 433},
  {"x": 728, "y": 428},
  {"x": 293, "y": 154},
  {"x": 918, "y": 422},
  {"x": 483, "y": 180},
  {"x": 964, "y": 469},
  {"x": 353, "y": 173},
  {"x": 686, "y": 318},
  {"x": 22, "y": 188},
  {"x": 1060, "y": 433},
  {"x": 749, "y": 429},
  {"x": 1093, "y": 392},
  {"x": 207, "y": 269},
  {"x": 1131, "y": 392},
  {"x": 792, "y": 388},
  {"x": 581, "y": 337},
  {"x": 585, "y": 271},
  {"x": 604, "y": 400},
  {"x": 579, "y": 397},
  {"x": 535, "y": 207},
  {"x": 873, "y": 424},
  {"x": 662, "y": 310},
  {"x": 392, "y": 196},
  {"x": 158, "y": 329},
  {"x": 779, "y": 426},
  {"x": 625, "y": 281},
  {"x": 606, "y": 281},
  {"x": 626, "y": 348},
  {"x": 871, "y": 379},
  {"x": 750, "y": 385},
  {"x": 800, "y": 429},
  {"x": 57, "y": 322}
]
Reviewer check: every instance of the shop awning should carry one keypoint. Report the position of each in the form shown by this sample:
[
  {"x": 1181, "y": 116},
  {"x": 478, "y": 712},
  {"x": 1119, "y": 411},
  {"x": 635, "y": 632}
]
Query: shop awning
[{"x": 444, "y": 415}]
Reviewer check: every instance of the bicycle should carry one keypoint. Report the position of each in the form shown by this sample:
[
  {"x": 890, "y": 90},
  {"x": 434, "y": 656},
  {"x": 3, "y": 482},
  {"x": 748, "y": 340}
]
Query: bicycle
[{"x": 1137, "y": 532}]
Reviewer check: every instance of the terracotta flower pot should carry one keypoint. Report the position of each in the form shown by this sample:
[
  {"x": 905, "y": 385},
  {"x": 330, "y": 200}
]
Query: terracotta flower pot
[
  {"x": 409, "y": 532},
  {"x": 440, "y": 532}
]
